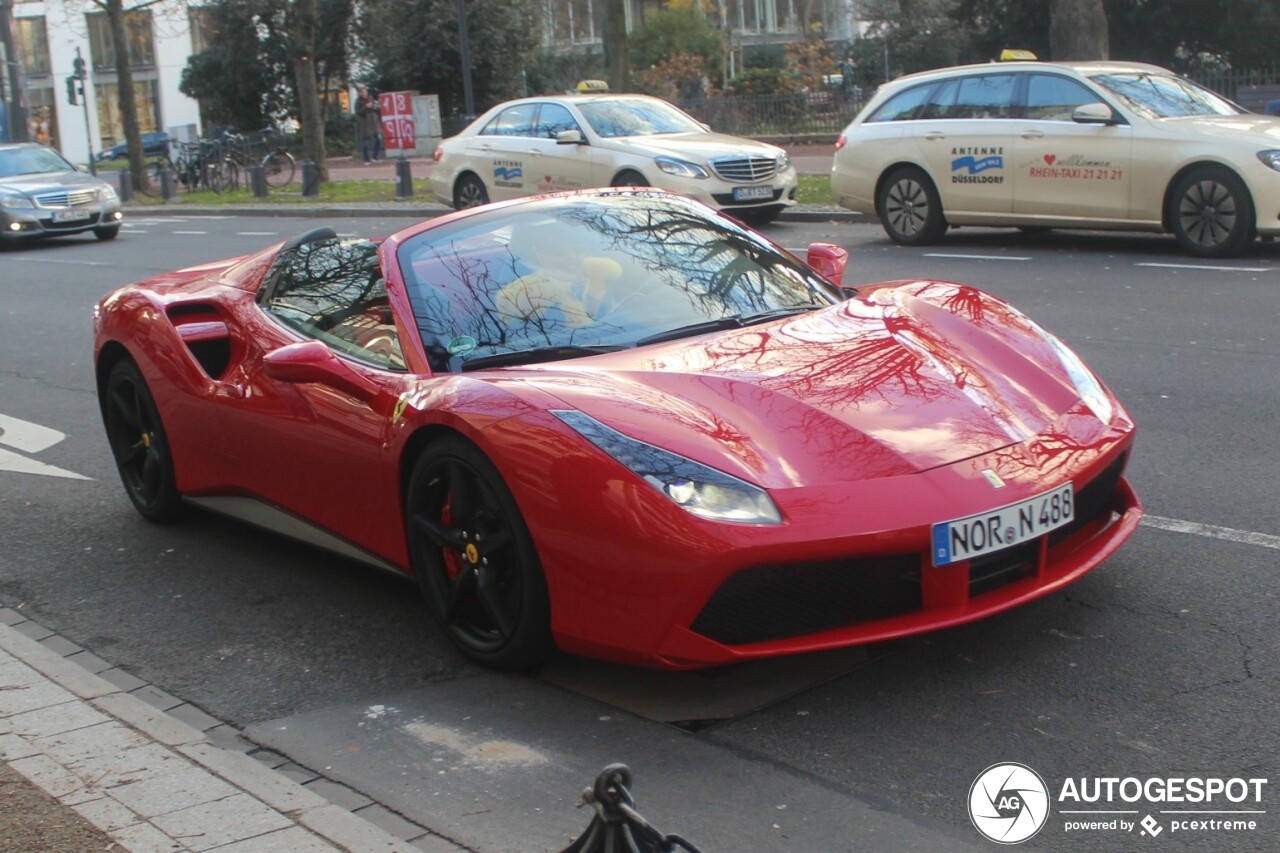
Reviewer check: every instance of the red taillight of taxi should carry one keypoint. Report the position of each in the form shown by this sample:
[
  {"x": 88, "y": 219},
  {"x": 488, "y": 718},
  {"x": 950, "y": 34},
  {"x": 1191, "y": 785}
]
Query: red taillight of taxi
[{"x": 839, "y": 142}]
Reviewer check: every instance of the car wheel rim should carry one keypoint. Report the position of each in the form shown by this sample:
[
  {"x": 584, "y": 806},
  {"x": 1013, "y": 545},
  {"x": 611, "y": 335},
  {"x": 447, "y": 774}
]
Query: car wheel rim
[
  {"x": 907, "y": 207},
  {"x": 1207, "y": 213},
  {"x": 471, "y": 195},
  {"x": 135, "y": 442},
  {"x": 475, "y": 580}
]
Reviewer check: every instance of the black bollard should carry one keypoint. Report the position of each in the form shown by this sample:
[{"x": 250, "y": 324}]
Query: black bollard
[
  {"x": 258, "y": 180},
  {"x": 617, "y": 826},
  {"x": 126, "y": 185},
  {"x": 310, "y": 180},
  {"x": 404, "y": 180},
  {"x": 168, "y": 189}
]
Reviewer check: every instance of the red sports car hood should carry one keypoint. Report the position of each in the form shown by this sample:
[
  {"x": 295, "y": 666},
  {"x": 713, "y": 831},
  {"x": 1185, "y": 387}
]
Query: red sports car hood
[{"x": 902, "y": 378}]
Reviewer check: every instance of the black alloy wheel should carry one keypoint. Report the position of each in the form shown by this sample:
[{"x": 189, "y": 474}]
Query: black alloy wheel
[
  {"x": 1212, "y": 214},
  {"x": 469, "y": 192},
  {"x": 139, "y": 445},
  {"x": 474, "y": 559},
  {"x": 106, "y": 232},
  {"x": 910, "y": 209}
]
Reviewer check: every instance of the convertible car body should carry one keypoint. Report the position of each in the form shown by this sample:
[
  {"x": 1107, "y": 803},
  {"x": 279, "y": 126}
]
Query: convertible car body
[{"x": 622, "y": 424}]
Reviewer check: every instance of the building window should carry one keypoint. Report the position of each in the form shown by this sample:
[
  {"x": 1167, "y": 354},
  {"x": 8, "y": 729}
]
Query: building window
[
  {"x": 110, "y": 126},
  {"x": 200, "y": 19},
  {"x": 42, "y": 115},
  {"x": 33, "y": 46},
  {"x": 137, "y": 26}
]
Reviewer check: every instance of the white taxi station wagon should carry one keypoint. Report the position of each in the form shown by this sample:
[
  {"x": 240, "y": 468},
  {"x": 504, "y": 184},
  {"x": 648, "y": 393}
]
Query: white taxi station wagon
[
  {"x": 549, "y": 144},
  {"x": 1038, "y": 145}
]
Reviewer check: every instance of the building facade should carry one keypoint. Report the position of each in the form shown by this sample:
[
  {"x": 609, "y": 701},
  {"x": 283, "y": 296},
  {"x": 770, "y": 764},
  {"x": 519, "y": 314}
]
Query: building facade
[
  {"x": 570, "y": 24},
  {"x": 50, "y": 34}
]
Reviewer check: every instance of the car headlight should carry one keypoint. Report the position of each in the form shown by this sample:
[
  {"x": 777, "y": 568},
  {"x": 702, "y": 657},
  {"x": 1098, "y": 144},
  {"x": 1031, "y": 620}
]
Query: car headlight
[
  {"x": 692, "y": 486},
  {"x": 109, "y": 193},
  {"x": 1270, "y": 157},
  {"x": 15, "y": 201},
  {"x": 681, "y": 168},
  {"x": 784, "y": 161}
]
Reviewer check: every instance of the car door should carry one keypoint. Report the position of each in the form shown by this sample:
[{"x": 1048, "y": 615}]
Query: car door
[
  {"x": 964, "y": 134},
  {"x": 505, "y": 155},
  {"x": 1069, "y": 170},
  {"x": 562, "y": 165},
  {"x": 308, "y": 446}
]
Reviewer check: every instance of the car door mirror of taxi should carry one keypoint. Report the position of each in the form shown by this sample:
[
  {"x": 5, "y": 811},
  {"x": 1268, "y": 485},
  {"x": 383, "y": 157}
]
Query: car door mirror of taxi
[
  {"x": 312, "y": 361},
  {"x": 828, "y": 260},
  {"x": 1098, "y": 113},
  {"x": 570, "y": 137}
]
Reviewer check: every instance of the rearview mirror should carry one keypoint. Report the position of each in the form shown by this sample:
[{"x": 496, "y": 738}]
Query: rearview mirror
[
  {"x": 312, "y": 361},
  {"x": 569, "y": 137},
  {"x": 1098, "y": 113},
  {"x": 828, "y": 260}
]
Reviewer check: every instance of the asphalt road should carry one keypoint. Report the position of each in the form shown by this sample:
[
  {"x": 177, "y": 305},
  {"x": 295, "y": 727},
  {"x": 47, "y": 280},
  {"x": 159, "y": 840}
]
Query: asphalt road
[{"x": 1161, "y": 663}]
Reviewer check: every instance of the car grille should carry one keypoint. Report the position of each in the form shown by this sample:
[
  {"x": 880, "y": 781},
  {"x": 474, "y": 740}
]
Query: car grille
[
  {"x": 772, "y": 602},
  {"x": 67, "y": 198},
  {"x": 764, "y": 603},
  {"x": 745, "y": 170}
]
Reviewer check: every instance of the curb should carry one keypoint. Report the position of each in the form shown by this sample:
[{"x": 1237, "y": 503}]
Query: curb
[
  {"x": 798, "y": 213},
  {"x": 149, "y": 778}
]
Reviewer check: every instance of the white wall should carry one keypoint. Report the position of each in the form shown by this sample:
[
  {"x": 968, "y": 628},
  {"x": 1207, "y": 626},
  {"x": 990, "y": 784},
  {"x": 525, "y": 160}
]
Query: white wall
[{"x": 67, "y": 30}]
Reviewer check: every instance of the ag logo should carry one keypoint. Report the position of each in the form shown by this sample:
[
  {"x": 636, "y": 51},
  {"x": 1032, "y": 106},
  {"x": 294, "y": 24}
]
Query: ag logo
[{"x": 1008, "y": 803}]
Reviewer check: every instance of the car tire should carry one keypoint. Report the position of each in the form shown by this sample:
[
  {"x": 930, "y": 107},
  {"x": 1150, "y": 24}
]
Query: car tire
[
  {"x": 630, "y": 178},
  {"x": 474, "y": 558},
  {"x": 910, "y": 209},
  {"x": 107, "y": 232},
  {"x": 139, "y": 444},
  {"x": 1211, "y": 213},
  {"x": 469, "y": 192}
]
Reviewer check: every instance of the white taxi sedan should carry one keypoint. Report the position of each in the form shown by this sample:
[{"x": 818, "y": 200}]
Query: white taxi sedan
[
  {"x": 1038, "y": 145},
  {"x": 548, "y": 144}
]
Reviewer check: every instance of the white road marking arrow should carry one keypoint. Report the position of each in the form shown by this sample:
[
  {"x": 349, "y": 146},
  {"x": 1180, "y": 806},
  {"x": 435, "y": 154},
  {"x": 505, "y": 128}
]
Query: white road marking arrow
[{"x": 30, "y": 438}]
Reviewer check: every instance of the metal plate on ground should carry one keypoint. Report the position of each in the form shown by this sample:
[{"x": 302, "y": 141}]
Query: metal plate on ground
[{"x": 696, "y": 698}]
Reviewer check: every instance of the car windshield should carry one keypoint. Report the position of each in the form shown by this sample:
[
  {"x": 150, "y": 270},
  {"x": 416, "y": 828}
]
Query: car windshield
[
  {"x": 1165, "y": 96},
  {"x": 636, "y": 117},
  {"x": 563, "y": 277},
  {"x": 31, "y": 161}
]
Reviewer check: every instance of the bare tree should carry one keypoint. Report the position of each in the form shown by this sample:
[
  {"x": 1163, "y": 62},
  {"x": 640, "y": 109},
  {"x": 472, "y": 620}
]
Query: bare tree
[
  {"x": 1078, "y": 30},
  {"x": 116, "y": 11}
]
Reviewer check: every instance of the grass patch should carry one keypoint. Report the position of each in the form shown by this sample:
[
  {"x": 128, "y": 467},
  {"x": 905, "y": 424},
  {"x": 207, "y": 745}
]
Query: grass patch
[
  {"x": 332, "y": 192},
  {"x": 815, "y": 189}
]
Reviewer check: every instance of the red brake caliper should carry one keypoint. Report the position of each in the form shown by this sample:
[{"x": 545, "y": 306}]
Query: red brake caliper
[{"x": 452, "y": 559}]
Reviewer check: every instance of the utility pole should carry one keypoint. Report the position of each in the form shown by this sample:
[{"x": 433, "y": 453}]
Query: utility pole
[
  {"x": 464, "y": 51},
  {"x": 76, "y": 82}
]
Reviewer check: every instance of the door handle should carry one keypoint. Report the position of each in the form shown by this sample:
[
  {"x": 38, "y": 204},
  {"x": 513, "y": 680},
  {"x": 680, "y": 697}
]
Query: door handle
[
  {"x": 1033, "y": 134},
  {"x": 935, "y": 135}
]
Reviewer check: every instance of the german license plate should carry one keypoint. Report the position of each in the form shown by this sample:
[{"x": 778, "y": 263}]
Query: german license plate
[
  {"x": 752, "y": 193},
  {"x": 988, "y": 532},
  {"x": 71, "y": 215}
]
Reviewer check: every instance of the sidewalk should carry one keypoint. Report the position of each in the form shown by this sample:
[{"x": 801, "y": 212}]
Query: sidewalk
[{"x": 136, "y": 763}]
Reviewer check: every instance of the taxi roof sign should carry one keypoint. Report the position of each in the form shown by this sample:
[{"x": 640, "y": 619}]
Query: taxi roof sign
[
  {"x": 1013, "y": 55},
  {"x": 587, "y": 86}
]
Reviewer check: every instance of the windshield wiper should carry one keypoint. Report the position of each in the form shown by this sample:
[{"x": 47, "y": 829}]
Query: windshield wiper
[
  {"x": 535, "y": 355},
  {"x": 735, "y": 321}
]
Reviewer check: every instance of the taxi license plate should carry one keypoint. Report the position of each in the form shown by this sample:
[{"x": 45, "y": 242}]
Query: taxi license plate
[
  {"x": 71, "y": 215},
  {"x": 752, "y": 193},
  {"x": 988, "y": 532}
]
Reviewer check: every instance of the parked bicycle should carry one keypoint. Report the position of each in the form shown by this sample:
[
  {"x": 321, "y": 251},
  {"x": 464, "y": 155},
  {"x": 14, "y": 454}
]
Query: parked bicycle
[{"x": 262, "y": 148}]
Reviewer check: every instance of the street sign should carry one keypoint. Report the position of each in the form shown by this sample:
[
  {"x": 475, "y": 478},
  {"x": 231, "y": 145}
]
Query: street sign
[{"x": 399, "y": 131}]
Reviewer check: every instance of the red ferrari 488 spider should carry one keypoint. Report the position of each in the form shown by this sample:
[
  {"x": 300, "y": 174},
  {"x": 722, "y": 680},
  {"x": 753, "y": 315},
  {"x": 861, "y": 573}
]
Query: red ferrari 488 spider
[{"x": 624, "y": 425}]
